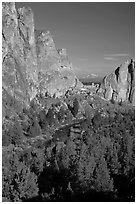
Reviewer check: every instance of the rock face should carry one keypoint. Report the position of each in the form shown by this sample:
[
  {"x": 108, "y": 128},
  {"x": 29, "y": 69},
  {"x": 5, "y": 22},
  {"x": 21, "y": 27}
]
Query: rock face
[
  {"x": 31, "y": 62},
  {"x": 120, "y": 85},
  {"x": 32, "y": 65},
  {"x": 18, "y": 51},
  {"x": 55, "y": 70}
]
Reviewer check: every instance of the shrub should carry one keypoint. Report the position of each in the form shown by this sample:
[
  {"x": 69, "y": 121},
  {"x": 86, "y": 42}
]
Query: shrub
[
  {"x": 12, "y": 132},
  {"x": 18, "y": 181}
]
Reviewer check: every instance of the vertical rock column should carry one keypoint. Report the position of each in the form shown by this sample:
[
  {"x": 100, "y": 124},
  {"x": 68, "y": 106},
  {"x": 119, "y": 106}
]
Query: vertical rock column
[
  {"x": 120, "y": 85},
  {"x": 19, "y": 68}
]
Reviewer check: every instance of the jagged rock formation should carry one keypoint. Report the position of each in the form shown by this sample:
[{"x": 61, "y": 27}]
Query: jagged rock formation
[
  {"x": 32, "y": 66},
  {"x": 31, "y": 62},
  {"x": 55, "y": 70},
  {"x": 120, "y": 85}
]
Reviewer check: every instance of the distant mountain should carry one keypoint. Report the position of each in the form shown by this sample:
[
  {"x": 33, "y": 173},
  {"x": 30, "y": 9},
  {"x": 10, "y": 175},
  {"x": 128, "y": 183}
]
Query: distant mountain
[{"x": 91, "y": 78}]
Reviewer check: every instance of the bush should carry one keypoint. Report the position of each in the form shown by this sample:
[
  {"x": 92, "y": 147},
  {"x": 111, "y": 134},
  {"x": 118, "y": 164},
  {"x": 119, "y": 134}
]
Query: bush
[
  {"x": 18, "y": 181},
  {"x": 12, "y": 132}
]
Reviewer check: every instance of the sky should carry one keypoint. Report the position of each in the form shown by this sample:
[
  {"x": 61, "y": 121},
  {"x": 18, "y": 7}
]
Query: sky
[{"x": 98, "y": 36}]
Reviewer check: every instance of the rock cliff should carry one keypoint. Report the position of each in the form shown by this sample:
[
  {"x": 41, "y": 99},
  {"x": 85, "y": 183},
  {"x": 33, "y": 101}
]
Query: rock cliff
[
  {"x": 19, "y": 73},
  {"x": 55, "y": 70},
  {"x": 31, "y": 63},
  {"x": 120, "y": 84}
]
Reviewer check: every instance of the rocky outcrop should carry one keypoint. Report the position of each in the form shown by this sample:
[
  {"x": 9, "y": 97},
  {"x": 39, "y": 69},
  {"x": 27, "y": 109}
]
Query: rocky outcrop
[
  {"x": 55, "y": 70},
  {"x": 19, "y": 66},
  {"x": 31, "y": 65},
  {"x": 31, "y": 62},
  {"x": 119, "y": 86}
]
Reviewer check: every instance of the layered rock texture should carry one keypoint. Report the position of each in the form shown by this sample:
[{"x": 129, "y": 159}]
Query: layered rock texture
[
  {"x": 119, "y": 86},
  {"x": 31, "y": 63}
]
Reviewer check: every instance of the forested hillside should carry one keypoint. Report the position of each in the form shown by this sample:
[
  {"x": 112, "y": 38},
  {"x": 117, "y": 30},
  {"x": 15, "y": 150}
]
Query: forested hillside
[{"x": 70, "y": 154}]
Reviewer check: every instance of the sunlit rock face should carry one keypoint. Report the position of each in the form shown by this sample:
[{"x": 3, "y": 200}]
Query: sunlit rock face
[
  {"x": 55, "y": 70},
  {"x": 18, "y": 52},
  {"x": 31, "y": 63},
  {"x": 120, "y": 85}
]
